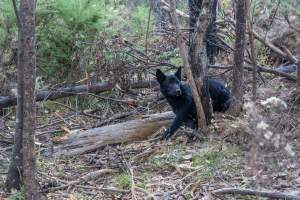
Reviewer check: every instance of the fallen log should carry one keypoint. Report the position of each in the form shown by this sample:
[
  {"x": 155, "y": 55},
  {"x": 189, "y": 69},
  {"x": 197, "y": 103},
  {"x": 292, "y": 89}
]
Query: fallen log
[
  {"x": 80, "y": 142},
  {"x": 42, "y": 95}
]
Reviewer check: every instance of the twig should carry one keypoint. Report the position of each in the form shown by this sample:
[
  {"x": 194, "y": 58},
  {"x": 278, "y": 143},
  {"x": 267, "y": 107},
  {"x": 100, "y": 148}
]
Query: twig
[
  {"x": 47, "y": 132},
  {"x": 259, "y": 69},
  {"x": 272, "y": 17},
  {"x": 290, "y": 24},
  {"x": 55, "y": 122},
  {"x": 132, "y": 184},
  {"x": 109, "y": 190},
  {"x": 85, "y": 178},
  {"x": 273, "y": 195},
  {"x": 118, "y": 116},
  {"x": 289, "y": 53}
]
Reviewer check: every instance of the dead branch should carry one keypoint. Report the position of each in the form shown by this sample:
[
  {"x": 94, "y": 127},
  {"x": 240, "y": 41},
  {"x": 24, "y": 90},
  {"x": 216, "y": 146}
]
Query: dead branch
[
  {"x": 272, "y": 195},
  {"x": 7, "y": 101},
  {"x": 274, "y": 48},
  {"x": 259, "y": 69},
  {"x": 109, "y": 190}
]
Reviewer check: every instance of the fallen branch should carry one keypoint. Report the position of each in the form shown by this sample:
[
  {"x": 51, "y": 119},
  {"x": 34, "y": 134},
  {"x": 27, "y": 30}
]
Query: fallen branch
[
  {"x": 285, "y": 55},
  {"x": 259, "y": 69},
  {"x": 134, "y": 130},
  {"x": 275, "y": 72},
  {"x": 7, "y": 101},
  {"x": 272, "y": 195},
  {"x": 108, "y": 190}
]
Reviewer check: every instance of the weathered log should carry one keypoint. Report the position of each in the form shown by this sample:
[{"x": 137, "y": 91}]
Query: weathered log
[
  {"x": 80, "y": 142},
  {"x": 7, "y": 101}
]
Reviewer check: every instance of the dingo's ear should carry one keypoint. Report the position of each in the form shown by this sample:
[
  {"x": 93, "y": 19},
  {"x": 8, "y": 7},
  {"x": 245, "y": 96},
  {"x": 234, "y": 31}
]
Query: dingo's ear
[
  {"x": 160, "y": 76},
  {"x": 178, "y": 73}
]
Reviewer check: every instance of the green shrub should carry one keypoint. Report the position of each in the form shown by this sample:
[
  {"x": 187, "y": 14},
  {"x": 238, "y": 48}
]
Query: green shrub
[
  {"x": 18, "y": 195},
  {"x": 123, "y": 180},
  {"x": 64, "y": 29},
  {"x": 138, "y": 21}
]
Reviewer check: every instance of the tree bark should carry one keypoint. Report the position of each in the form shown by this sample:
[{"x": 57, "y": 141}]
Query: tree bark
[
  {"x": 134, "y": 130},
  {"x": 27, "y": 17},
  {"x": 184, "y": 55},
  {"x": 298, "y": 64},
  {"x": 201, "y": 18},
  {"x": 252, "y": 49},
  {"x": 298, "y": 75},
  {"x": 15, "y": 170},
  {"x": 240, "y": 41}
]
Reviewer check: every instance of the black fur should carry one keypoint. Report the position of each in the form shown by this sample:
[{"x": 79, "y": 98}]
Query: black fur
[{"x": 180, "y": 98}]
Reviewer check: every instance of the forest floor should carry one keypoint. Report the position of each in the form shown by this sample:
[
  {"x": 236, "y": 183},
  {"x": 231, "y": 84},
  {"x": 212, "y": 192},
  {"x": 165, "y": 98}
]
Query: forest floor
[{"x": 234, "y": 153}]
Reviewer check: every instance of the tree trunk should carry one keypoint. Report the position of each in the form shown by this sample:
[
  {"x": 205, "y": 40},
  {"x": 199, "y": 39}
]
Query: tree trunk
[
  {"x": 184, "y": 55},
  {"x": 201, "y": 18},
  {"x": 27, "y": 17},
  {"x": 238, "y": 74},
  {"x": 134, "y": 130},
  {"x": 15, "y": 170},
  {"x": 252, "y": 48},
  {"x": 298, "y": 64},
  {"x": 23, "y": 158},
  {"x": 298, "y": 74}
]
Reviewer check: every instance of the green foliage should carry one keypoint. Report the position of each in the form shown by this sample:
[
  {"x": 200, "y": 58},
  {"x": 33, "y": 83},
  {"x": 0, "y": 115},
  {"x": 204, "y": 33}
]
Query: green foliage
[
  {"x": 7, "y": 19},
  {"x": 176, "y": 61},
  {"x": 123, "y": 180},
  {"x": 291, "y": 6},
  {"x": 225, "y": 4},
  {"x": 209, "y": 159},
  {"x": 64, "y": 28},
  {"x": 18, "y": 195},
  {"x": 138, "y": 21},
  {"x": 167, "y": 161}
]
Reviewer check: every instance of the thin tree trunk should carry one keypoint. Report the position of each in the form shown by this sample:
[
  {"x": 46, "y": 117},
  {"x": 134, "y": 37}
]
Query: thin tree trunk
[
  {"x": 27, "y": 17},
  {"x": 15, "y": 170},
  {"x": 298, "y": 74},
  {"x": 184, "y": 55},
  {"x": 238, "y": 74},
  {"x": 200, "y": 20},
  {"x": 252, "y": 48}
]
